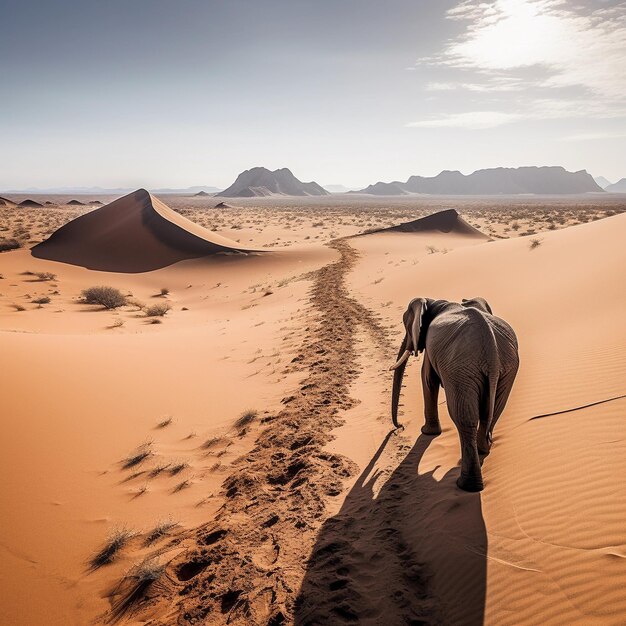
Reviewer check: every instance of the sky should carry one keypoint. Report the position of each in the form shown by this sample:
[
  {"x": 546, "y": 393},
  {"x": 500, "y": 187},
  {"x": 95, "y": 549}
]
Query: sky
[{"x": 174, "y": 93}]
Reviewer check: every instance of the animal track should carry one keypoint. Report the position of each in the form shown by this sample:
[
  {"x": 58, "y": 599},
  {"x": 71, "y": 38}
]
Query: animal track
[{"x": 284, "y": 482}]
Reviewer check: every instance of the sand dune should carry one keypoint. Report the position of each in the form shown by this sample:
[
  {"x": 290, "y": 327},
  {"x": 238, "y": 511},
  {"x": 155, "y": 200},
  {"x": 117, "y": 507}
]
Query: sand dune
[
  {"x": 5, "y": 202},
  {"x": 544, "y": 542},
  {"x": 136, "y": 233},
  {"x": 312, "y": 512},
  {"x": 449, "y": 222},
  {"x": 30, "y": 203}
]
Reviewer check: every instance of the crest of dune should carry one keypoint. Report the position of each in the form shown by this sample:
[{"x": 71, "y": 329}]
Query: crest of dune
[
  {"x": 136, "y": 233},
  {"x": 448, "y": 221}
]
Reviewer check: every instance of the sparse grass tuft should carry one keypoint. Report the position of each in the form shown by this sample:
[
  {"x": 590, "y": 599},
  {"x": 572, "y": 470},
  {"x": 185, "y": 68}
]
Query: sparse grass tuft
[
  {"x": 177, "y": 468},
  {"x": 246, "y": 418},
  {"x": 184, "y": 484},
  {"x": 211, "y": 443},
  {"x": 166, "y": 422},
  {"x": 158, "y": 469},
  {"x": 116, "y": 541},
  {"x": 162, "y": 529},
  {"x": 108, "y": 297},
  {"x": 164, "y": 291},
  {"x": 143, "y": 452},
  {"x": 535, "y": 243},
  {"x": 42, "y": 300},
  {"x": 157, "y": 310},
  {"x": 19, "y": 307},
  {"x": 134, "y": 587}
]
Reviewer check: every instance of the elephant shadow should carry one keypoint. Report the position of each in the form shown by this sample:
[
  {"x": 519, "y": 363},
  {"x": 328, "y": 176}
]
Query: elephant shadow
[{"x": 412, "y": 552}]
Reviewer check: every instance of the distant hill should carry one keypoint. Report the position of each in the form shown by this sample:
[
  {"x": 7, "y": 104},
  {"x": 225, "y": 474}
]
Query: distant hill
[
  {"x": 386, "y": 189},
  {"x": 602, "y": 182},
  {"x": 618, "y": 187},
  {"x": 339, "y": 188},
  {"x": 201, "y": 194},
  {"x": 259, "y": 181},
  {"x": 500, "y": 180}
]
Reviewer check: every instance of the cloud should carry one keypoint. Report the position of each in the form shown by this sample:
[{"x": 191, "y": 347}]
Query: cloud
[
  {"x": 475, "y": 120},
  {"x": 540, "y": 55},
  {"x": 594, "y": 136},
  {"x": 538, "y": 109}
]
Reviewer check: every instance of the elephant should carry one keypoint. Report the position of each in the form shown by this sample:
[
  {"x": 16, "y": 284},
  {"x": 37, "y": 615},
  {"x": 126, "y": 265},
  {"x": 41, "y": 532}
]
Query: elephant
[{"x": 473, "y": 355}]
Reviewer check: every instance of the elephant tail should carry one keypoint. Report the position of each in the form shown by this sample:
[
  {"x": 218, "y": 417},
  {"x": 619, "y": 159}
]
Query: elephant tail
[
  {"x": 492, "y": 386},
  {"x": 492, "y": 376}
]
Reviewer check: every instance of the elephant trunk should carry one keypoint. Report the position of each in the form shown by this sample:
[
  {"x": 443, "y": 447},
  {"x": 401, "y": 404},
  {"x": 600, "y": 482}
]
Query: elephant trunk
[{"x": 398, "y": 374}]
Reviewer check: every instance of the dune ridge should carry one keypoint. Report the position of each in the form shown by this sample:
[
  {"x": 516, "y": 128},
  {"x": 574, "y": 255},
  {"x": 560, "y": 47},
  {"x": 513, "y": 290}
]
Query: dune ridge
[
  {"x": 136, "y": 233},
  {"x": 448, "y": 221},
  {"x": 30, "y": 203}
]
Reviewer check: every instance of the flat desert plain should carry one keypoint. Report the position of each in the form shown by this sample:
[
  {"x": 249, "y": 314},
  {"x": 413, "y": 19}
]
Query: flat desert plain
[{"x": 219, "y": 449}]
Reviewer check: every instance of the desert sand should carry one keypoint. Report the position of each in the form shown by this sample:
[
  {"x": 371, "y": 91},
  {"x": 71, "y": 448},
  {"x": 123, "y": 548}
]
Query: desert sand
[{"x": 241, "y": 449}]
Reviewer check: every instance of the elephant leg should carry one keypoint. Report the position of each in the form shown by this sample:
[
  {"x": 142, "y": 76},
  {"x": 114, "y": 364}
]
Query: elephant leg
[
  {"x": 483, "y": 437},
  {"x": 430, "y": 387},
  {"x": 505, "y": 385},
  {"x": 465, "y": 414},
  {"x": 471, "y": 478}
]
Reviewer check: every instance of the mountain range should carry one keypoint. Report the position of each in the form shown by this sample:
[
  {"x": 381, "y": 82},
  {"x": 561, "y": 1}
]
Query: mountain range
[
  {"x": 602, "y": 182},
  {"x": 260, "y": 181},
  {"x": 618, "y": 187},
  {"x": 500, "y": 180}
]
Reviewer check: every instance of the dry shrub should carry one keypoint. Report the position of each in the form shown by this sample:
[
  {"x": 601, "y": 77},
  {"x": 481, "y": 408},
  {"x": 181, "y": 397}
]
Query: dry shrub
[
  {"x": 43, "y": 276},
  {"x": 9, "y": 244},
  {"x": 108, "y": 297},
  {"x": 157, "y": 310}
]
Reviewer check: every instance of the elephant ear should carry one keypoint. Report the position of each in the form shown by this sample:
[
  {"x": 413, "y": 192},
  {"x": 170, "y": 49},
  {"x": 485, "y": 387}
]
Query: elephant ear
[{"x": 417, "y": 329}]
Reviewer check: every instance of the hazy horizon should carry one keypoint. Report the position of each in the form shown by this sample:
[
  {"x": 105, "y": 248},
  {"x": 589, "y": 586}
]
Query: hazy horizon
[{"x": 162, "y": 94}]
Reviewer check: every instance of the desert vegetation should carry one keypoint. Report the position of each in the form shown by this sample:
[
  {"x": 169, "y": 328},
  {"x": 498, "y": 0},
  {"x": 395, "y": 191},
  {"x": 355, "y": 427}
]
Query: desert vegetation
[
  {"x": 108, "y": 297},
  {"x": 161, "y": 530},
  {"x": 116, "y": 541},
  {"x": 157, "y": 310},
  {"x": 138, "y": 456},
  {"x": 9, "y": 244}
]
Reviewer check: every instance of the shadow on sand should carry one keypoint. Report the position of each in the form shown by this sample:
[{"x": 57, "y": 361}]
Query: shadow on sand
[{"x": 413, "y": 553}]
